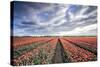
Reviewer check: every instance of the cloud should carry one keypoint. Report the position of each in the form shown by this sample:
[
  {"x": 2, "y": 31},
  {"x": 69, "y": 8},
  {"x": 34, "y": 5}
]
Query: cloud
[
  {"x": 54, "y": 19},
  {"x": 80, "y": 30}
]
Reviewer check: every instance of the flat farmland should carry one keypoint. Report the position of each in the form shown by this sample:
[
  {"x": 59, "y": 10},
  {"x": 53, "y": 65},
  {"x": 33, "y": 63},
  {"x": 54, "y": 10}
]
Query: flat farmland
[{"x": 51, "y": 50}]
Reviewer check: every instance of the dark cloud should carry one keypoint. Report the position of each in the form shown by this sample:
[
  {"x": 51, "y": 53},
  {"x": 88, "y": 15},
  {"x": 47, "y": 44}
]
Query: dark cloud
[
  {"x": 28, "y": 23},
  {"x": 91, "y": 8}
]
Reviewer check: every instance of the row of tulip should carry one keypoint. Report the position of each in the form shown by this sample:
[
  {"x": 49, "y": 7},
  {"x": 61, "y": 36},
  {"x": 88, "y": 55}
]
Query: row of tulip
[
  {"x": 39, "y": 55},
  {"x": 75, "y": 53}
]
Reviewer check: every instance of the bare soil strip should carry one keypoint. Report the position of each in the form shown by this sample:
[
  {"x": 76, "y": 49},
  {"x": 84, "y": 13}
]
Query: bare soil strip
[{"x": 59, "y": 56}]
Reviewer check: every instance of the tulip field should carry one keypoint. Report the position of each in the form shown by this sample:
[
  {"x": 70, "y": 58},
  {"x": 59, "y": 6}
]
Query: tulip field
[{"x": 50, "y": 50}]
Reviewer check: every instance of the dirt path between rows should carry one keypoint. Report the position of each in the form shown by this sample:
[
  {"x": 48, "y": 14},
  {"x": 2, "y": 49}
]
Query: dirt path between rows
[{"x": 59, "y": 56}]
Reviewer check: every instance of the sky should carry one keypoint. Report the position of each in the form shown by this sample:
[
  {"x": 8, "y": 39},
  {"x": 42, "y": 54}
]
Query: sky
[{"x": 53, "y": 19}]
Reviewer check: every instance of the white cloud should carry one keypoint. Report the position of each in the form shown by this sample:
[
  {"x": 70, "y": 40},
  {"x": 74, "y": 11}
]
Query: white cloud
[
  {"x": 80, "y": 14},
  {"x": 57, "y": 20},
  {"x": 79, "y": 30},
  {"x": 60, "y": 15},
  {"x": 60, "y": 22},
  {"x": 93, "y": 13}
]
